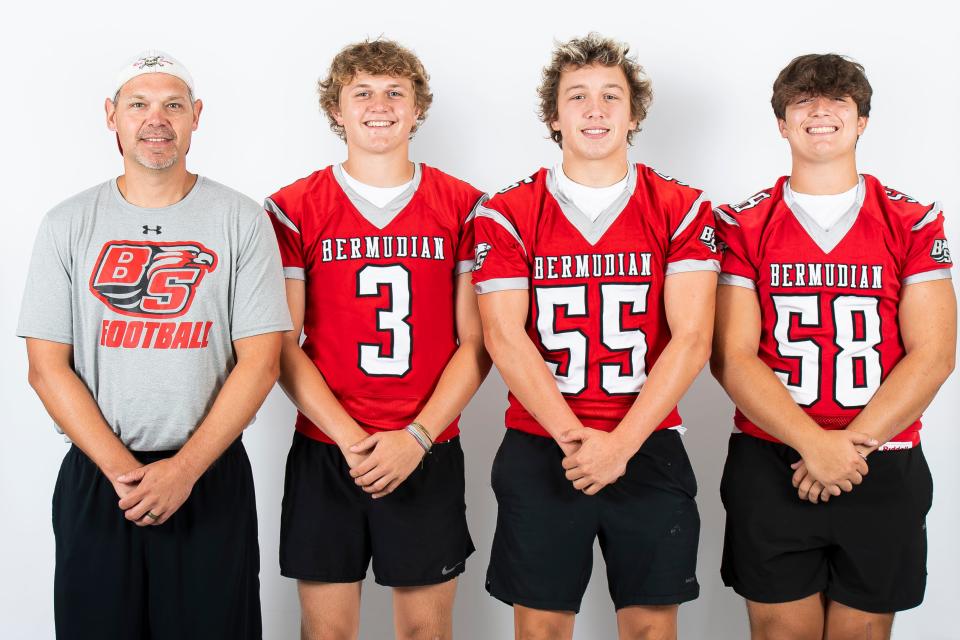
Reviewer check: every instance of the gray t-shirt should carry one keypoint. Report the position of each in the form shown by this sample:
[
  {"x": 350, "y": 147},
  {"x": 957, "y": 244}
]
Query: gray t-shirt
[{"x": 152, "y": 300}]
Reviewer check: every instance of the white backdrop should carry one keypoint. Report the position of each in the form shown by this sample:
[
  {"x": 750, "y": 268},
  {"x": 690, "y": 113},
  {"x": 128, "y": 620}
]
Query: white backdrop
[{"x": 711, "y": 125}]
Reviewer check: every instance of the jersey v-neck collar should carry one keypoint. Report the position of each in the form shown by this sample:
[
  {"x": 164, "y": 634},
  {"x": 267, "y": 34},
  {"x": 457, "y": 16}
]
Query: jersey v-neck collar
[
  {"x": 379, "y": 217},
  {"x": 826, "y": 239},
  {"x": 593, "y": 230}
]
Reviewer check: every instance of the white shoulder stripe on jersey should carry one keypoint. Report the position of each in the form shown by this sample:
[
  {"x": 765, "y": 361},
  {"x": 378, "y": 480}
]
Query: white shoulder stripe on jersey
[
  {"x": 929, "y": 217},
  {"x": 501, "y": 284},
  {"x": 685, "y": 266},
  {"x": 690, "y": 217},
  {"x": 281, "y": 217},
  {"x": 726, "y": 217},
  {"x": 927, "y": 276},
  {"x": 500, "y": 219},
  {"x": 477, "y": 205},
  {"x": 463, "y": 266},
  {"x": 736, "y": 281},
  {"x": 294, "y": 273}
]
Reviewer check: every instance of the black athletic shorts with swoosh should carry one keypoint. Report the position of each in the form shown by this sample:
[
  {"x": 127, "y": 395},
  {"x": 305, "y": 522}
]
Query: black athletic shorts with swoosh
[{"x": 330, "y": 528}]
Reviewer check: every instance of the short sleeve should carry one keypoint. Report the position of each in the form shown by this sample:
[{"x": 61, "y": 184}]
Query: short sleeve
[
  {"x": 259, "y": 299},
  {"x": 693, "y": 245},
  {"x": 735, "y": 266},
  {"x": 47, "y": 309},
  {"x": 466, "y": 244},
  {"x": 288, "y": 239},
  {"x": 928, "y": 256},
  {"x": 501, "y": 259}
]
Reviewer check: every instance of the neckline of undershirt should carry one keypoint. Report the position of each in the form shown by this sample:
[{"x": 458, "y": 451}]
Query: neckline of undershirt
[
  {"x": 592, "y": 201},
  {"x": 378, "y": 196},
  {"x": 827, "y": 209}
]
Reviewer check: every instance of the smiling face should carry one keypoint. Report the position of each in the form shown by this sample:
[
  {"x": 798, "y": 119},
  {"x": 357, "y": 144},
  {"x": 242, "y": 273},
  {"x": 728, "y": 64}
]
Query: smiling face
[
  {"x": 593, "y": 113},
  {"x": 821, "y": 128},
  {"x": 377, "y": 113},
  {"x": 154, "y": 119}
]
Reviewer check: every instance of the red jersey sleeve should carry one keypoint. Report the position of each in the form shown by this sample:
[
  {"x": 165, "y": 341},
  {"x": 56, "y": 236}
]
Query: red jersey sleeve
[
  {"x": 502, "y": 261},
  {"x": 736, "y": 267},
  {"x": 928, "y": 257},
  {"x": 286, "y": 225},
  {"x": 466, "y": 253},
  {"x": 693, "y": 244}
]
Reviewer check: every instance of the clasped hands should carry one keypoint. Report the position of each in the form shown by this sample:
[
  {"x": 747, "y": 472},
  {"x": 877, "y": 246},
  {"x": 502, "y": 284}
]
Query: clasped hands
[
  {"x": 151, "y": 494},
  {"x": 831, "y": 463},
  {"x": 381, "y": 462},
  {"x": 593, "y": 459}
]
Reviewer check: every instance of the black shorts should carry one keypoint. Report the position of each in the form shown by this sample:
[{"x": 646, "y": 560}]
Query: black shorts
[
  {"x": 330, "y": 528},
  {"x": 195, "y": 576},
  {"x": 866, "y": 549},
  {"x": 647, "y": 523}
]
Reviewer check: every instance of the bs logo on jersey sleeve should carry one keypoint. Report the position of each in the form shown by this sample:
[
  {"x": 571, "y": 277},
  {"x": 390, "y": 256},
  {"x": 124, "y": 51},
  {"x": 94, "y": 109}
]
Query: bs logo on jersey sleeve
[{"x": 150, "y": 279}]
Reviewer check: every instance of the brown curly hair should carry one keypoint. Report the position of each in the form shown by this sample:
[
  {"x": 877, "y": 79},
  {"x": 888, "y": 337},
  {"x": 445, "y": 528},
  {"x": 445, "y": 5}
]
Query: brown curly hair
[
  {"x": 827, "y": 74},
  {"x": 583, "y": 52},
  {"x": 378, "y": 57}
]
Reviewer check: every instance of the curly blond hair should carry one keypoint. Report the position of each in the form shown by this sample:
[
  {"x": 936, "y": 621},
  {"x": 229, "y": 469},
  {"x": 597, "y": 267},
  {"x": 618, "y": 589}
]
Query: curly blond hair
[
  {"x": 583, "y": 52},
  {"x": 378, "y": 57}
]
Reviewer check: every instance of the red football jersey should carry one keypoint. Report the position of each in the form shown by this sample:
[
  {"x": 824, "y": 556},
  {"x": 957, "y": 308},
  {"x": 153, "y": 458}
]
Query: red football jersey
[
  {"x": 596, "y": 287},
  {"x": 829, "y": 298},
  {"x": 380, "y": 285}
]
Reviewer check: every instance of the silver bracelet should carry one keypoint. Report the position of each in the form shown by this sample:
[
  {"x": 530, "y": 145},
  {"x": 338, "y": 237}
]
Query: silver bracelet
[{"x": 419, "y": 434}]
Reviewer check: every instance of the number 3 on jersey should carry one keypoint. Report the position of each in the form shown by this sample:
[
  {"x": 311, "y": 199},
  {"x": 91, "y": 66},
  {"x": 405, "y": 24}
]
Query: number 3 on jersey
[
  {"x": 375, "y": 359},
  {"x": 613, "y": 379},
  {"x": 856, "y": 333}
]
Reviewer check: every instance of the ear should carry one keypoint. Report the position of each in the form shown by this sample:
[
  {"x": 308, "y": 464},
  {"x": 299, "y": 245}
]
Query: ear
[
  {"x": 782, "y": 125},
  {"x": 111, "y": 112},
  {"x": 197, "y": 108},
  {"x": 555, "y": 125},
  {"x": 861, "y": 124}
]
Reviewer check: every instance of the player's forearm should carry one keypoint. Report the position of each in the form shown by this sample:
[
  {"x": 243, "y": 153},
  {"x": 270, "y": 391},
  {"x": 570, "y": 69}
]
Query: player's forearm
[
  {"x": 675, "y": 370},
  {"x": 905, "y": 393},
  {"x": 239, "y": 398},
  {"x": 305, "y": 386},
  {"x": 528, "y": 378},
  {"x": 762, "y": 398},
  {"x": 68, "y": 401},
  {"x": 461, "y": 378}
]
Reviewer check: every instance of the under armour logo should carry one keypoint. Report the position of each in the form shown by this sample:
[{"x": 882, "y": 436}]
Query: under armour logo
[
  {"x": 940, "y": 251},
  {"x": 147, "y": 229}
]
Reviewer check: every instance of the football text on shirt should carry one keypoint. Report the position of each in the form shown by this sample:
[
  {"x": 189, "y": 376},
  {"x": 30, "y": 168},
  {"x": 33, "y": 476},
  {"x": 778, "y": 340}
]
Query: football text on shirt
[
  {"x": 137, "y": 334},
  {"x": 367, "y": 247}
]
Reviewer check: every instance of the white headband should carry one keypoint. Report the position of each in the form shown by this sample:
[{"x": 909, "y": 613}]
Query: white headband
[{"x": 153, "y": 61}]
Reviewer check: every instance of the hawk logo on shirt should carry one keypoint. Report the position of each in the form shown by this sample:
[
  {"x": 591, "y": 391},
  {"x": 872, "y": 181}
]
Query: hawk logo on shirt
[
  {"x": 150, "y": 279},
  {"x": 940, "y": 251},
  {"x": 482, "y": 250}
]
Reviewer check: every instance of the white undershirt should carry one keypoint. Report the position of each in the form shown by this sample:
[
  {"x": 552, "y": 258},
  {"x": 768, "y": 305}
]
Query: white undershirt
[
  {"x": 825, "y": 210},
  {"x": 378, "y": 196},
  {"x": 590, "y": 200}
]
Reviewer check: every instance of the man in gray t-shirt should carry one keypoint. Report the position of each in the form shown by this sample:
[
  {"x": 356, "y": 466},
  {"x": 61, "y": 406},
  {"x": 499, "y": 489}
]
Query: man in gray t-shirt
[{"x": 153, "y": 311}]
